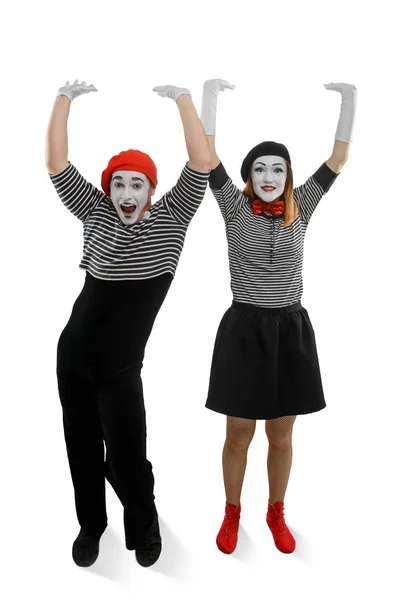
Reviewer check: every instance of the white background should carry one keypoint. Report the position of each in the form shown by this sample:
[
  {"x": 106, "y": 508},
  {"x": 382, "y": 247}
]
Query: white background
[{"x": 342, "y": 499}]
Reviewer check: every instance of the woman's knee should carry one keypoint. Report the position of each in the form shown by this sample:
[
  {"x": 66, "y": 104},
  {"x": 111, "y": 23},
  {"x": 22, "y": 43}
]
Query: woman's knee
[
  {"x": 239, "y": 432},
  {"x": 279, "y": 432}
]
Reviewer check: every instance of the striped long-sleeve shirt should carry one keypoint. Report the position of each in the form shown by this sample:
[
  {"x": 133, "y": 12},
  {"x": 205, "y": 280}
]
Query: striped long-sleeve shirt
[
  {"x": 148, "y": 248},
  {"x": 266, "y": 257}
]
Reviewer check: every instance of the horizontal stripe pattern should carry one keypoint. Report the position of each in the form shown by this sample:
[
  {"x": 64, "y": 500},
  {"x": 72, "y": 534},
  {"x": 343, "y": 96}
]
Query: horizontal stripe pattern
[
  {"x": 265, "y": 257},
  {"x": 143, "y": 250}
]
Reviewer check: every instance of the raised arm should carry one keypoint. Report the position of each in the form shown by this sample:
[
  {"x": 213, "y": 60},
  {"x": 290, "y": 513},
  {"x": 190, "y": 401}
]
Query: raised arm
[
  {"x": 230, "y": 199},
  {"x": 57, "y": 134},
  {"x": 211, "y": 87},
  {"x": 196, "y": 141},
  {"x": 77, "y": 194},
  {"x": 308, "y": 195},
  {"x": 343, "y": 136},
  {"x": 183, "y": 200}
]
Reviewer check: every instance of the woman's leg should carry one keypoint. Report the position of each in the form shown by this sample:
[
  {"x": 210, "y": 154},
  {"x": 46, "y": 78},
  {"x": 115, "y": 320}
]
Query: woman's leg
[
  {"x": 239, "y": 433},
  {"x": 279, "y": 462}
]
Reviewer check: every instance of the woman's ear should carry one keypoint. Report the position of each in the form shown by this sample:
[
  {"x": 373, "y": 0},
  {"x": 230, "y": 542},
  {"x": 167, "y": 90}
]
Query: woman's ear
[{"x": 153, "y": 190}]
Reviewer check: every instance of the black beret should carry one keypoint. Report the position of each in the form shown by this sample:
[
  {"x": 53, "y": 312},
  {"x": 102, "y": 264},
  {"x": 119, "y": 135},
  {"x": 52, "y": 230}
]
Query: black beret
[{"x": 263, "y": 149}]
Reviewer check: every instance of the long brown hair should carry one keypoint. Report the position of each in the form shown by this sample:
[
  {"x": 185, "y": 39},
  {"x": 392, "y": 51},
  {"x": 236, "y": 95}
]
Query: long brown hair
[{"x": 291, "y": 210}]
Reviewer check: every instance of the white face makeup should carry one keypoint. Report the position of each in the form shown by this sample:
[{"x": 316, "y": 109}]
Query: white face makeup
[
  {"x": 129, "y": 192},
  {"x": 268, "y": 175}
]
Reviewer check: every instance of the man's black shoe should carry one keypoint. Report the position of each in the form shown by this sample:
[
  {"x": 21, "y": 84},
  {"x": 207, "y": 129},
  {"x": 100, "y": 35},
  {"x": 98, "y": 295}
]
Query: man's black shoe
[
  {"x": 85, "y": 549},
  {"x": 148, "y": 554}
]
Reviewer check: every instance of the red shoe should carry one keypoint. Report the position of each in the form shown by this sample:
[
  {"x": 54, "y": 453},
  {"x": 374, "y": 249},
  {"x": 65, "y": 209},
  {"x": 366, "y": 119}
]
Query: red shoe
[
  {"x": 228, "y": 534},
  {"x": 283, "y": 539}
]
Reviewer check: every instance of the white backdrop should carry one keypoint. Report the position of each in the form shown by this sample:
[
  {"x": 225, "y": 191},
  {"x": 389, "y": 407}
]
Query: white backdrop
[{"x": 342, "y": 499}]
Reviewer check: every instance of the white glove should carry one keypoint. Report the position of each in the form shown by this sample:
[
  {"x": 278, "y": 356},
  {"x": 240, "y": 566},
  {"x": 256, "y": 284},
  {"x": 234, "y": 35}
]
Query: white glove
[
  {"x": 208, "y": 116},
  {"x": 347, "y": 110},
  {"x": 75, "y": 90},
  {"x": 170, "y": 91}
]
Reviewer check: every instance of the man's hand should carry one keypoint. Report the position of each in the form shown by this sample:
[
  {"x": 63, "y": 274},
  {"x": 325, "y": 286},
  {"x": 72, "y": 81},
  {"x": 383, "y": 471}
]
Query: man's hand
[
  {"x": 170, "y": 91},
  {"x": 75, "y": 89}
]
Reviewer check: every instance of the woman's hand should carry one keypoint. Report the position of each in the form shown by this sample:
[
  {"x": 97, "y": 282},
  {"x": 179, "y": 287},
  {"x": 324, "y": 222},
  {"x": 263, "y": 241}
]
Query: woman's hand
[
  {"x": 211, "y": 87},
  {"x": 75, "y": 89},
  {"x": 208, "y": 115},
  {"x": 348, "y": 92},
  {"x": 218, "y": 85},
  {"x": 171, "y": 91},
  {"x": 343, "y": 88},
  {"x": 343, "y": 135}
]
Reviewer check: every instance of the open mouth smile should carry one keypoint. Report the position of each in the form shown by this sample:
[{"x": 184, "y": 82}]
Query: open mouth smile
[
  {"x": 128, "y": 209},
  {"x": 268, "y": 188}
]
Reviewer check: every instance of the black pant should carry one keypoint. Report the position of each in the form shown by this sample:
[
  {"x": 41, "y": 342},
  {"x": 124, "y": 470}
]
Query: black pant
[{"x": 99, "y": 360}]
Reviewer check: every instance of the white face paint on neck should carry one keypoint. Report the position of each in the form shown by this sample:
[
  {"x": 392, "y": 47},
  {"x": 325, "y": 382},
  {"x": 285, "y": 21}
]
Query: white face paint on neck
[
  {"x": 268, "y": 175},
  {"x": 130, "y": 192}
]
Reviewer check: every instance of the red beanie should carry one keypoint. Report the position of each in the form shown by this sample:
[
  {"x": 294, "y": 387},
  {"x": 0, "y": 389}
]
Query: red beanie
[{"x": 129, "y": 160}]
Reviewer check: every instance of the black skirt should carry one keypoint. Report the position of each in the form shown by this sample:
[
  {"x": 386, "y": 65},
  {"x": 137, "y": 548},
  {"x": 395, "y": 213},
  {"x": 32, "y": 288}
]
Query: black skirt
[{"x": 265, "y": 363}]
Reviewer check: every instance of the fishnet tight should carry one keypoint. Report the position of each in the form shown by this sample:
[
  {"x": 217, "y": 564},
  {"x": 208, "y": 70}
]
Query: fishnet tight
[{"x": 239, "y": 433}]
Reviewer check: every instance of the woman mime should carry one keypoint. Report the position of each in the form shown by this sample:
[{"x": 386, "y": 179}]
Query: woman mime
[
  {"x": 131, "y": 251},
  {"x": 265, "y": 363}
]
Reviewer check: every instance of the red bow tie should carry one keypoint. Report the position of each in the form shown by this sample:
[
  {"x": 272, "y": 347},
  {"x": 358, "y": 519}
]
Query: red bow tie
[{"x": 276, "y": 208}]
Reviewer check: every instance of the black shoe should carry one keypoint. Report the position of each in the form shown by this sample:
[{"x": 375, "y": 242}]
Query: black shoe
[
  {"x": 85, "y": 549},
  {"x": 148, "y": 554}
]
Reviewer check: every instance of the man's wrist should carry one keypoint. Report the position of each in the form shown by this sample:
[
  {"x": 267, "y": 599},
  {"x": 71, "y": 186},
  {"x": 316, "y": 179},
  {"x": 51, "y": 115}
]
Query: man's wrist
[
  {"x": 61, "y": 95},
  {"x": 183, "y": 98}
]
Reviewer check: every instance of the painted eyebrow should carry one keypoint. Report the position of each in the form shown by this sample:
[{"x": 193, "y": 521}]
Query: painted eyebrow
[
  {"x": 132, "y": 178},
  {"x": 274, "y": 164}
]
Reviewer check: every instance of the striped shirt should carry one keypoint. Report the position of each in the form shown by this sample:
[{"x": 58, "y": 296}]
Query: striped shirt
[
  {"x": 148, "y": 248},
  {"x": 265, "y": 257}
]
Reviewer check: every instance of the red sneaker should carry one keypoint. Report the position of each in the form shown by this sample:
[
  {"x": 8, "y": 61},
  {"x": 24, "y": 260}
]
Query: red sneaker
[
  {"x": 283, "y": 539},
  {"x": 228, "y": 534}
]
